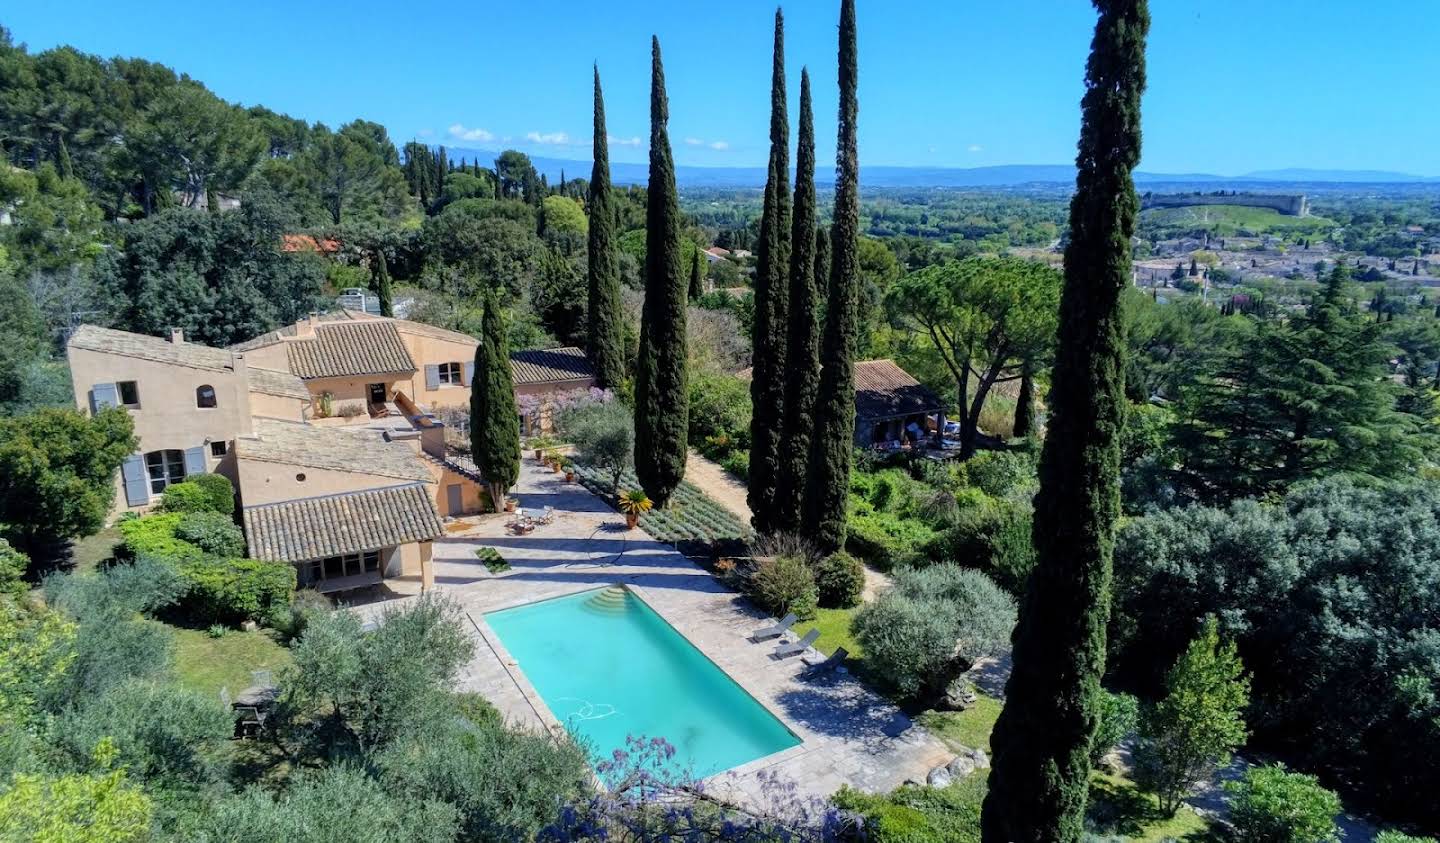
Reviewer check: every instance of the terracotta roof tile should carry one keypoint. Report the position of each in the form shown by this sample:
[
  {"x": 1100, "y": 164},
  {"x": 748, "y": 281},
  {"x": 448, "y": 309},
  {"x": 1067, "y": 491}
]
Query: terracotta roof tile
[
  {"x": 550, "y": 365},
  {"x": 884, "y": 390},
  {"x": 314, "y": 528},
  {"x": 124, "y": 343},
  {"x": 360, "y": 450},
  {"x": 343, "y": 349}
]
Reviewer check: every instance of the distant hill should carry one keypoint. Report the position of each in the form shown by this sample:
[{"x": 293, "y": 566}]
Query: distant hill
[{"x": 1006, "y": 175}]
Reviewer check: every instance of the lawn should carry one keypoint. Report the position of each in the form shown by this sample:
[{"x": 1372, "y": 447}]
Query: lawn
[
  {"x": 86, "y": 554},
  {"x": 1231, "y": 220},
  {"x": 208, "y": 664}
]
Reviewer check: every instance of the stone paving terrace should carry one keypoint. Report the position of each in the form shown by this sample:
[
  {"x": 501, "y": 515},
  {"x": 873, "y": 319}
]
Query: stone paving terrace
[{"x": 849, "y": 735}]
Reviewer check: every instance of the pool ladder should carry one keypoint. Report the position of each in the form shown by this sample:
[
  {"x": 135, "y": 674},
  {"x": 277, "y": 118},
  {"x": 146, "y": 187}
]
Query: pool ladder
[{"x": 607, "y": 601}]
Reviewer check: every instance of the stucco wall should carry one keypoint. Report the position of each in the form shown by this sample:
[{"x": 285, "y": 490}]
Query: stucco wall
[
  {"x": 427, "y": 350},
  {"x": 278, "y": 407},
  {"x": 263, "y": 482}
]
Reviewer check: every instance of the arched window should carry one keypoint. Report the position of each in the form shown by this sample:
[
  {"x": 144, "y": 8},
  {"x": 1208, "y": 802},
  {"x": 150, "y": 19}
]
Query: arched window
[{"x": 205, "y": 396}]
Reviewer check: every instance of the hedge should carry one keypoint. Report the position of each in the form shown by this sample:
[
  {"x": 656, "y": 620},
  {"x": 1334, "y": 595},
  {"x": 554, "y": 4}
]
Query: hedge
[
  {"x": 154, "y": 535},
  {"x": 883, "y": 539},
  {"x": 234, "y": 590},
  {"x": 203, "y": 493}
]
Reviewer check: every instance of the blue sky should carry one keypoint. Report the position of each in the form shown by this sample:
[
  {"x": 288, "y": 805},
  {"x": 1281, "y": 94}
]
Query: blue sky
[{"x": 1234, "y": 86}]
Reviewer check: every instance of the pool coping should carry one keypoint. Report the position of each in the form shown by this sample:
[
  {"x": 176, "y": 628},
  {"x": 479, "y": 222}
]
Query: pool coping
[{"x": 547, "y": 717}]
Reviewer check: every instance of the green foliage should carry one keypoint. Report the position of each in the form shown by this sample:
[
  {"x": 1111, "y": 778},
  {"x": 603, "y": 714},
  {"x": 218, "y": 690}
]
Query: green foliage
[
  {"x": 1119, "y": 715},
  {"x": 1002, "y": 474},
  {"x": 235, "y": 590},
  {"x": 691, "y": 517},
  {"x": 155, "y": 536},
  {"x": 840, "y": 579},
  {"x": 916, "y": 814},
  {"x": 738, "y": 464},
  {"x": 931, "y": 626},
  {"x": 13, "y": 565},
  {"x": 1040, "y": 777},
  {"x": 828, "y": 477},
  {"x": 205, "y": 493},
  {"x": 36, "y": 652},
  {"x": 212, "y": 532},
  {"x": 492, "y": 560},
  {"x": 605, "y": 338},
  {"x": 661, "y": 393},
  {"x": 56, "y": 473},
  {"x": 102, "y": 808},
  {"x": 994, "y": 536},
  {"x": 1400, "y": 837},
  {"x": 494, "y": 418},
  {"x": 603, "y": 435},
  {"x": 1190, "y": 732},
  {"x": 338, "y": 802},
  {"x": 785, "y": 584},
  {"x": 719, "y": 412},
  {"x": 770, "y": 329},
  {"x": 1275, "y": 805}
]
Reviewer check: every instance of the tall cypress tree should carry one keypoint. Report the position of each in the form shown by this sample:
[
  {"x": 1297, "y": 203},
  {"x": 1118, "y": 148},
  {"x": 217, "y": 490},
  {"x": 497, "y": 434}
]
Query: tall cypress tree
[
  {"x": 697, "y": 283},
  {"x": 828, "y": 481},
  {"x": 1042, "y": 740},
  {"x": 383, "y": 289},
  {"x": 606, "y": 340},
  {"x": 494, "y": 418},
  {"x": 822, "y": 262},
  {"x": 661, "y": 394},
  {"x": 802, "y": 354},
  {"x": 772, "y": 292}
]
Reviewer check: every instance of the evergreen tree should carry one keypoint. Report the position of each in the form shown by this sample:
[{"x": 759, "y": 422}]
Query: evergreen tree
[
  {"x": 442, "y": 169},
  {"x": 1025, "y": 402},
  {"x": 697, "y": 283},
  {"x": 494, "y": 418},
  {"x": 828, "y": 479},
  {"x": 822, "y": 267},
  {"x": 606, "y": 341},
  {"x": 661, "y": 392},
  {"x": 772, "y": 291},
  {"x": 383, "y": 289},
  {"x": 802, "y": 355},
  {"x": 1042, "y": 741}
]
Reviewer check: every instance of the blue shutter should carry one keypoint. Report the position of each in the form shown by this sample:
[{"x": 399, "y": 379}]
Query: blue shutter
[
  {"x": 432, "y": 376},
  {"x": 194, "y": 461},
  {"x": 137, "y": 487},
  {"x": 103, "y": 395},
  {"x": 467, "y": 372}
]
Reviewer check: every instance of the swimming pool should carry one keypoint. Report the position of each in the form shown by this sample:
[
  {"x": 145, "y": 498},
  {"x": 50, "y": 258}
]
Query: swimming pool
[{"x": 608, "y": 666}]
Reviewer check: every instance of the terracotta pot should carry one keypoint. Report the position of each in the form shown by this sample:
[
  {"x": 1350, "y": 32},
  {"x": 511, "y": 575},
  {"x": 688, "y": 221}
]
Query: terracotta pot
[
  {"x": 631, "y": 519},
  {"x": 555, "y": 467},
  {"x": 569, "y": 477},
  {"x": 510, "y": 505}
]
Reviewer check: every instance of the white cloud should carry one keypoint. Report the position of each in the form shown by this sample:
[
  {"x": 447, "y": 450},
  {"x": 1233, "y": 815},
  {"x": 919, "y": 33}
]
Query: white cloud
[
  {"x": 426, "y": 133},
  {"x": 719, "y": 145},
  {"x": 634, "y": 140},
  {"x": 457, "y": 130},
  {"x": 974, "y": 147},
  {"x": 552, "y": 138},
  {"x": 694, "y": 142}
]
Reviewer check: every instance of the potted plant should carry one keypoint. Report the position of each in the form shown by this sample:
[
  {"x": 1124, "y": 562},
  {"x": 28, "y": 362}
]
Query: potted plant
[
  {"x": 509, "y": 504},
  {"x": 634, "y": 503},
  {"x": 569, "y": 470}
]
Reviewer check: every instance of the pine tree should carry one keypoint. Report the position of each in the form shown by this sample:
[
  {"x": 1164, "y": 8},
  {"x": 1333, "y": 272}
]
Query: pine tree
[
  {"x": 606, "y": 340},
  {"x": 828, "y": 479},
  {"x": 697, "y": 283},
  {"x": 382, "y": 284},
  {"x": 494, "y": 418},
  {"x": 1041, "y": 770},
  {"x": 802, "y": 354},
  {"x": 772, "y": 292},
  {"x": 661, "y": 393}
]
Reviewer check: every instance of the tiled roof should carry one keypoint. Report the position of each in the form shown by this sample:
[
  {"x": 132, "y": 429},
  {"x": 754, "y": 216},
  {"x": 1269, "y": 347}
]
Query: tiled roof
[
  {"x": 94, "y": 338},
  {"x": 549, "y": 365},
  {"x": 360, "y": 450},
  {"x": 884, "y": 390},
  {"x": 272, "y": 382},
  {"x": 346, "y": 315},
  {"x": 344, "y": 349},
  {"x": 314, "y": 528}
]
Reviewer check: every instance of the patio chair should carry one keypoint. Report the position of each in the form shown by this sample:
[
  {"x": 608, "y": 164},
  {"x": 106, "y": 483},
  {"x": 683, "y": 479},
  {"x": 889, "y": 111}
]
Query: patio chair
[
  {"x": 775, "y": 631},
  {"x": 833, "y": 662},
  {"x": 547, "y": 516},
  {"x": 787, "y": 650}
]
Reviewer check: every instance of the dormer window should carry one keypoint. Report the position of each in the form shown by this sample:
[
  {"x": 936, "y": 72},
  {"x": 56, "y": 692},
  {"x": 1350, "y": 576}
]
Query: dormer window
[{"x": 205, "y": 397}]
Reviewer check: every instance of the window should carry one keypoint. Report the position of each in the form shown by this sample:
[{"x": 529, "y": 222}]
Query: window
[
  {"x": 218, "y": 449},
  {"x": 129, "y": 393},
  {"x": 165, "y": 467},
  {"x": 450, "y": 373},
  {"x": 205, "y": 397},
  {"x": 348, "y": 565}
]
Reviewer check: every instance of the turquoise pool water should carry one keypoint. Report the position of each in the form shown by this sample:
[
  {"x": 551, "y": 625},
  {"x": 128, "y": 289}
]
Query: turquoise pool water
[{"x": 608, "y": 667}]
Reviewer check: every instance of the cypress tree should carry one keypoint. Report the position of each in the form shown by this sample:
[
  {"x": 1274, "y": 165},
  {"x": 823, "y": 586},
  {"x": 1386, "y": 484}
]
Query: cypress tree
[
  {"x": 1041, "y": 771},
  {"x": 607, "y": 349},
  {"x": 494, "y": 418},
  {"x": 697, "y": 284},
  {"x": 383, "y": 290},
  {"x": 802, "y": 354},
  {"x": 442, "y": 169},
  {"x": 772, "y": 292},
  {"x": 1025, "y": 402},
  {"x": 822, "y": 265},
  {"x": 661, "y": 393},
  {"x": 828, "y": 480}
]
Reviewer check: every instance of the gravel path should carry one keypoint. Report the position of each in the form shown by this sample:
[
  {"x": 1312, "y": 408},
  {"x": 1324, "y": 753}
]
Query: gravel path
[{"x": 719, "y": 484}]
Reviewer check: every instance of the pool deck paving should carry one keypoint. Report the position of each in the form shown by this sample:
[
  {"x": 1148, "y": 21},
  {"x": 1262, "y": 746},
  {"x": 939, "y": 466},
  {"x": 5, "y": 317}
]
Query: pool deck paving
[{"x": 849, "y": 734}]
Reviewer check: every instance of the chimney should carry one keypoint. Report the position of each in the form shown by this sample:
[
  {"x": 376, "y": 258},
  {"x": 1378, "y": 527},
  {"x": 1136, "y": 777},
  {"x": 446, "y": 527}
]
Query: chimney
[
  {"x": 306, "y": 327},
  {"x": 177, "y": 336}
]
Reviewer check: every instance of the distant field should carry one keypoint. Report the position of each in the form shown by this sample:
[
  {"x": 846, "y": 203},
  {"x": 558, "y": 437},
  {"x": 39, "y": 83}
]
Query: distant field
[{"x": 1234, "y": 220}]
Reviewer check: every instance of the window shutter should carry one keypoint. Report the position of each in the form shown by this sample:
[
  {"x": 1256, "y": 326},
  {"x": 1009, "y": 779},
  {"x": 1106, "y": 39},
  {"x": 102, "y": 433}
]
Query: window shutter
[
  {"x": 432, "y": 376},
  {"x": 194, "y": 461},
  {"x": 467, "y": 372},
  {"x": 103, "y": 395},
  {"x": 137, "y": 490}
]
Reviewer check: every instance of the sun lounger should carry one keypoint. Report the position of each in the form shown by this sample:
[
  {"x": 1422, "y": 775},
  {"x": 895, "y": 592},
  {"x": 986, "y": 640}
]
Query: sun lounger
[
  {"x": 826, "y": 665},
  {"x": 786, "y": 650},
  {"x": 775, "y": 631}
]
